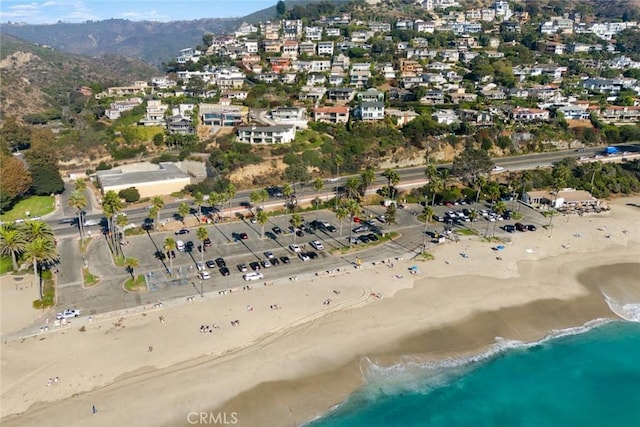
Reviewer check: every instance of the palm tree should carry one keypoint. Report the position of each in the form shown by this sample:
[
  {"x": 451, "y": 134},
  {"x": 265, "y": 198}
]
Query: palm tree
[
  {"x": 12, "y": 242},
  {"x": 80, "y": 185},
  {"x": 78, "y": 200},
  {"x": 202, "y": 235},
  {"x": 436, "y": 185},
  {"x": 367, "y": 177},
  {"x": 318, "y": 184},
  {"x": 258, "y": 197},
  {"x": 339, "y": 161},
  {"x": 157, "y": 203},
  {"x": 121, "y": 222},
  {"x": 353, "y": 209},
  {"x": 215, "y": 199},
  {"x": 296, "y": 221},
  {"x": 481, "y": 181},
  {"x": 352, "y": 185},
  {"x": 500, "y": 208},
  {"x": 262, "y": 219},
  {"x": 393, "y": 178},
  {"x": 427, "y": 212},
  {"x": 169, "y": 245},
  {"x": 183, "y": 211},
  {"x": 132, "y": 264},
  {"x": 341, "y": 214},
  {"x": 37, "y": 228},
  {"x": 198, "y": 200},
  {"x": 230, "y": 193},
  {"x": 111, "y": 205},
  {"x": 152, "y": 213},
  {"x": 287, "y": 191},
  {"x": 39, "y": 251}
]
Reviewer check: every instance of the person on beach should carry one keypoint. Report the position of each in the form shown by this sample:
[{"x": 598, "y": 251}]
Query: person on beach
[{"x": 93, "y": 409}]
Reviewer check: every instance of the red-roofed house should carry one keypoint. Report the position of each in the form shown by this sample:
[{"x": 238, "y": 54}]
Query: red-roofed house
[{"x": 331, "y": 114}]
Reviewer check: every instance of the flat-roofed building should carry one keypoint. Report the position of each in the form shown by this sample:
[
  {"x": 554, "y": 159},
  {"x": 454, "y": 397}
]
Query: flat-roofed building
[
  {"x": 338, "y": 114},
  {"x": 279, "y": 134},
  {"x": 148, "y": 178}
]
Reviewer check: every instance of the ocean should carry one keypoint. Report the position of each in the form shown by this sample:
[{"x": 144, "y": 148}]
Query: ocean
[{"x": 588, "y": 376}]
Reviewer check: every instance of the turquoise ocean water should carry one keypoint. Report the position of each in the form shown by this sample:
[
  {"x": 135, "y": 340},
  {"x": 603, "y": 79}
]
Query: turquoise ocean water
[{"x": 588, "y": 376}]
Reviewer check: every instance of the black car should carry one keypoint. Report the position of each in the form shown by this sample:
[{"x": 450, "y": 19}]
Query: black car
[
  {"x": 372, "y": 237},
  {"x": 285, "y": 259},
  {"x": 509, "y": 228},
  {"x": 171, "y": 254},
  {"x": 277, "y": 230},
  {"x": 255, "y": 265},
  {"x": 182, "y": 231},
  {"x": 364, "y": 238},
  {"x": 299, "y": 233},
  {"x": 315, "y": 224},
  {"x": 520, "y": 226},
  {"x": 224, "y": 271},
  {"x": 308, "y": 230},
  {"x": 312, "y": 255},
  {"x": 220, "y": 262},
  {"x": 207, "y": 242},
  {"x": 531, "y": 227},
  {"x": 331, "y": 228},
  {"x": 211, "y": 263},
  {"x": 275, "y": 261},
  {"x": 188, "y": 247}
]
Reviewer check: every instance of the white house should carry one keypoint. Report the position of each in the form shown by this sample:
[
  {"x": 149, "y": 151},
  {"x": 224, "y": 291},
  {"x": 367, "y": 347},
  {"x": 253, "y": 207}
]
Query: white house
[{"x": 279, "y": 134}]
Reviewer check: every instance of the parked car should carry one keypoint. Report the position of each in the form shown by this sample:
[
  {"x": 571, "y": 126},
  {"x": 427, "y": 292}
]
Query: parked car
[
  {"x": 312, "y": 255},
  {"x": 364, "y": 238},
  {"x": 372, "y": 237},
  {"x": 171, "y": 254},
  {"x": 225, "y": 271},
  {"x": 207, "y": 242},
  {"x": 253, "y": 276},
  {"x": 255, "y": 265},
  {"x": 361, "y": 229},
  {"x": 275, "y": 261},
  {"x": 188, "y": 247},
  {"x": 381, "y": 218},
  {"x": 265, "y": 263},
  {"x": 520, "y": 226},
  {"x": 303, "y": 256},
  {"x": 242, "y": 267},
  {"x": 68, "y": 314},
  {"x": 204, "y": 275},
  {"x": 531, "y": 227},
  {"x": 200, "y": 266},
  {"x": 211, "y": 263},
  {"x": 295, "y": 248},
  {"x": 182, "y": 231},
  {"x": 317, "y": 245},
  {"x": 285, "y": 259},
  {"x": 509, "y": 228},
  {"x": 277, "y": 230},
  {"x": 269, "y": 255},
  {"x": 243, "y": 236}
]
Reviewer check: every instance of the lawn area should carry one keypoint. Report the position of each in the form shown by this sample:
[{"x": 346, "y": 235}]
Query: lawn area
[
  {"x": 139, "y": 285},
  {"x": 6, "y": 265},
  {"x": 35, "y": 205}
]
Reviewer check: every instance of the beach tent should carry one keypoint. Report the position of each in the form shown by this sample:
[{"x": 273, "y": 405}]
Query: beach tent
[{"x": 499, "y": 247}]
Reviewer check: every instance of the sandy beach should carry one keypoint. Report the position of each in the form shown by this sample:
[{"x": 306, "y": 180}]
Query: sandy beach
[{"x": 300, "y": 347}]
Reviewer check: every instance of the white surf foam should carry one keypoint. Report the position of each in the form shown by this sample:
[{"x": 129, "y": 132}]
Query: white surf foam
[{"x": 625, "y": 310}]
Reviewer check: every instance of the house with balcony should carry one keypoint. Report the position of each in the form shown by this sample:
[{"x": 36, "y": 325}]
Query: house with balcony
[
  {"x": 222, "y": 115},
  {"x": 359, "y": 78},
  {"x": 326, "y": 48},
  {"x": 370, "y": 95},
  {"x": 272, "y": 46},
  {"x": 335, "y": 115},
  {"x": 312, "y": 93},
  {"x": 307, "y": 48},
  {"x": 155, "y": 113},
  {"x": 370, "y": 111},
  {"x": 401, "y": 117},
  {"x": 433, "y": 97},
  {"x": 341, "y": 94},
  {"x": 278, "y": 134},
  {"x": 446, "y": 117},
  {"x": 118, "y": 107},
  {"x": 290, "y": 49},
  {"x": 574, "y": 112},
  {"x": 620, "y": 114}
]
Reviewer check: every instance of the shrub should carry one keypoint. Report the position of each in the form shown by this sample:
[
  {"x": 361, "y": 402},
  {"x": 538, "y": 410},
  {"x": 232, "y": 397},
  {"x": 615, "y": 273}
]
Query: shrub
[{"x": 130, "y": 195}]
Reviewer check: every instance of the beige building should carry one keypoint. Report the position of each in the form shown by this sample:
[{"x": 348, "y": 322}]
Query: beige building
[
  {"x": 564, "y": 199},
  {"x": 148, "y": 178}
]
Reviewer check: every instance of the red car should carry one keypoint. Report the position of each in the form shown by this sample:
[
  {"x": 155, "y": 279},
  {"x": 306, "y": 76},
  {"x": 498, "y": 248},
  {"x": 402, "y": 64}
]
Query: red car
[{"x": 244, "y": 236}]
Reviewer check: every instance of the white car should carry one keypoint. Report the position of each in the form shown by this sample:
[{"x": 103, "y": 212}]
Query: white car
[
  {"x": 204, "y": 275},
  {"x": 304, "y": 257},
  {"x": 68, "y": 314},
  {"x": 295, "y": 248},
  {"x": 497, "y": 169},
  {"x": 253, "y": 276},
  {"x": 317, "y": 245},
  {"x": 200, "y": 266}
]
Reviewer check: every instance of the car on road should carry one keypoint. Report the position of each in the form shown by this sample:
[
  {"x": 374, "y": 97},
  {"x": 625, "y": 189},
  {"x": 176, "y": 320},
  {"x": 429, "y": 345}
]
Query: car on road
[
  {"x": 220, "y": 262},
  {"x": 295, "y": 248},
  {"x": 200, "y": 266},
  {"x": 69, "y": 313},
  {"x": 269, "y": 255},
  {"x": 285, "y": 259},
  {"x": 255, "y": 265},
  {"x": 211, "y": 263},
  {"x": 243, "y": 267},
  {"x": 253, "y": 276},
  {"x": 317, "y": 245},
  {"x": 225, "y": 271},
  {"x": 265, "y": 263},
  {"x": 204, "y": 275},
  {"x": 497, "y": 169},
  {"x": 182, "y": 231},
  {"x": 303, "y": 256},
  {"x": 243, "y": 236},
  {"x": 531, "y": 227},
  {"x": 277, "y": 230}
]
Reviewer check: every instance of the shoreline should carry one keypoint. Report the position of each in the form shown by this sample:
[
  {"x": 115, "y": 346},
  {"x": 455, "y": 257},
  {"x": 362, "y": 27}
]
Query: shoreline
[{"x": 285, "y": 367}]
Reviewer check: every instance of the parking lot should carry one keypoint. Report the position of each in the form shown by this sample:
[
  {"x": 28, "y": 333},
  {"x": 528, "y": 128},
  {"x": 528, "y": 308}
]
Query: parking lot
[{"x": 240, "y": 243}]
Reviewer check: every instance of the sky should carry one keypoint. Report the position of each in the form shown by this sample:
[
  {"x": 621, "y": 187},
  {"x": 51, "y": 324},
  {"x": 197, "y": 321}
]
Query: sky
[{"x": 52, "y": 11}]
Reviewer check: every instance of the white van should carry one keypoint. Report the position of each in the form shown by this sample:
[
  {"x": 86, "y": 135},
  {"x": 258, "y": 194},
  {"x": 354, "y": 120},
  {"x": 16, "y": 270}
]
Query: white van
[
  {"x": 180, "y": 245},
  {"x": 253, "y": 276}
]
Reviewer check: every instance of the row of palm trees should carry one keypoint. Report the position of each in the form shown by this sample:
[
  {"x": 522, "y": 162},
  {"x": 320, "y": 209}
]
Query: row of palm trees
[{"x": 31, "y": 241}]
